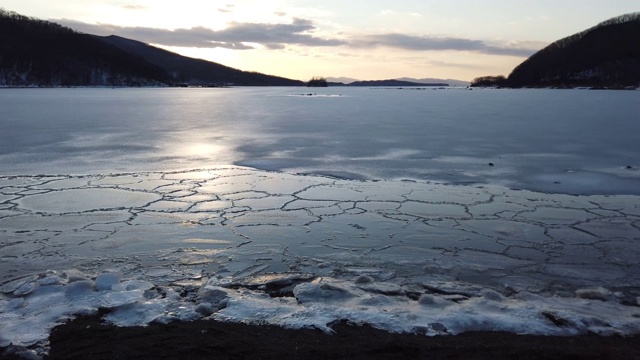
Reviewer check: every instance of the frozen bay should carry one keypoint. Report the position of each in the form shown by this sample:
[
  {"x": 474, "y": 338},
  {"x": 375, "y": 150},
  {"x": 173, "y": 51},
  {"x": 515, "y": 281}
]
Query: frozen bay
[
  {"x": 150, "y": 202},
  {"x": 575, "y": 141}
]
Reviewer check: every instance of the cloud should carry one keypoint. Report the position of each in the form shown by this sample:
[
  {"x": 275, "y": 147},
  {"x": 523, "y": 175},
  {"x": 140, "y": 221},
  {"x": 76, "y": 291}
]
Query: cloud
[
  {"x": 425, "y": 43},
  {"x": 232, "y": 46},
  {"x": 244, "y": 36},
  {"x": 133, "y": 7},
  {"x": 457, "y": 65},
  {"x": 228, "y": 8},
  {"x": 275, "y": 35},
  {"x": 272, "y": 36}
]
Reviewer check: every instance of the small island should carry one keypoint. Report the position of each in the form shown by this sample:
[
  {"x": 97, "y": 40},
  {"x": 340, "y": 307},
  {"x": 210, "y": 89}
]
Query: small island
[{"x": 317, "y": 81}]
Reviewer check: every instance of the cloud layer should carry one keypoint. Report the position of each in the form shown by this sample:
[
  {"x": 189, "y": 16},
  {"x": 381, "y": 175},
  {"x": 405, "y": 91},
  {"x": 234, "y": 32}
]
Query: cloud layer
[
  {"x": 235, "y": 36},
  {"x": 244, "y": 36},
  {"x": 425, "y": 43}
]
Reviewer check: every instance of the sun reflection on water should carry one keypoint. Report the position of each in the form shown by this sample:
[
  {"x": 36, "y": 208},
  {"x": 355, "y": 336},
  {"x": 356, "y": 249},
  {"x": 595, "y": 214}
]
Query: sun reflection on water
[{"x": 202, "y": 149}]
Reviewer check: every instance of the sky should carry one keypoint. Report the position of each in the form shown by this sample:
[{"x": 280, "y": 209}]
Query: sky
[{"x": 365, "y": 40}]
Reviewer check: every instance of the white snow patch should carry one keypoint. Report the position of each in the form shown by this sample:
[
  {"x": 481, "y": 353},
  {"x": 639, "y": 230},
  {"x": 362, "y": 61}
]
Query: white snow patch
[{"x": 31, "y": 307}]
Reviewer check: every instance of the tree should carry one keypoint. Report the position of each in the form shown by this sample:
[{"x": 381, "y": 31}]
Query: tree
[
  {"x": 489, "y": 81},
  {"x": 317, "y": 81}
]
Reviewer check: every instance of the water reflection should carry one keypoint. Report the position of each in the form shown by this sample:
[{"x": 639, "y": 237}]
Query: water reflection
[{"x": 448, "y": 135}]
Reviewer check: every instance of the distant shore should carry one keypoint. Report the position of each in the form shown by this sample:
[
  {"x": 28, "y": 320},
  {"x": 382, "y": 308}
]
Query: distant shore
[
  {"x": 560, "y": 87},
  {"x": 383, "y": 87}
]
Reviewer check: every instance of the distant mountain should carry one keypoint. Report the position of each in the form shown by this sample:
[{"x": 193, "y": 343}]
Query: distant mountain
[
  {"x": 393, "y": 82},
  {"x": 40, "y": 53},
  {"x": 604, "y": 56},
  {"x": 341, "y": 81},
  {"x": 451, "y": 82}
]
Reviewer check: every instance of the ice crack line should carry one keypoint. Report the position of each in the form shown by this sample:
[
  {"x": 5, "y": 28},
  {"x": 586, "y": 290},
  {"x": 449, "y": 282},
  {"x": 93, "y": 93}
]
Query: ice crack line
[{"x": 246, "y": 208}]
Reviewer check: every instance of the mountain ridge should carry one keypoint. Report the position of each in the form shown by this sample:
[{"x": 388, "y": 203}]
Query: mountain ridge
[
  {"x": 41, "y": 53},
  {"x": 192, "y": 71},
  {"x": 413, "y": 81},
  {"x": 604, "y": 56},
  {"x": 393, "y": 82}
]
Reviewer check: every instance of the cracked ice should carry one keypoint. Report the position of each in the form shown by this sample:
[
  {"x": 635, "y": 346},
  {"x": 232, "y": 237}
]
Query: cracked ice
[{"x": 403, "y": 256}]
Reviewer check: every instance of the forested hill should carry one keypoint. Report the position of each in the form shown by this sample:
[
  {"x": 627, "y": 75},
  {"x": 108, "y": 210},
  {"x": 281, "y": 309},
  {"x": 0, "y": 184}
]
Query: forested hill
[
  {"x": 195, "y": 71},
  {"x": 607, "y": 55},
  {"x": 34, "y": 52}
]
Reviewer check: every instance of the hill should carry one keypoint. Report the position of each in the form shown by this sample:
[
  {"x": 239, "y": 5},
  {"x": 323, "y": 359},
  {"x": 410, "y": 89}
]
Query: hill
[
  {"x": 607, "y": 55},
  {"x": 451, "y": 82},
  {"x": 42, "y": 53},
  {"x": 342, "y": 79},
  {"x": 393, "y": 82},
  {"x": 345, "y": 81},
  {"x": 604, "y": 56},
  {"x": 195, "y": 71},
  {"x": 36, "y": 52}
]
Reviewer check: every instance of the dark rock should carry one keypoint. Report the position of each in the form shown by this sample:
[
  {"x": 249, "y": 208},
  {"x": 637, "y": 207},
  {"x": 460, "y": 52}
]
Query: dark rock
[{"x": 556, "y": 319}]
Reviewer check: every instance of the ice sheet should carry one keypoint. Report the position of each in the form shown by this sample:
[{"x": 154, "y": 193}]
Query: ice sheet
[
  {"x": 405, "y": 256},
  {"x": 560, "y": 141}
]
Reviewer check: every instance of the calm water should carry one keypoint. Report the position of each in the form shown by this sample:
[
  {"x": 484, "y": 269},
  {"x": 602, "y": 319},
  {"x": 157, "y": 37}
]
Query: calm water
[{"x": 574, "y": 141}]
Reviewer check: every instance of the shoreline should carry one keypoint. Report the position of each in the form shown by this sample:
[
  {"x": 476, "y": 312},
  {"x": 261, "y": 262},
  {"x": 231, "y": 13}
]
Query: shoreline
[{"x": 88, "y": 337}]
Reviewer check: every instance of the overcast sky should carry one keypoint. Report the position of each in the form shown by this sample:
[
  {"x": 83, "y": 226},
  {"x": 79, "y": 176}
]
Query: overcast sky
[{"x": 368, "y": 40}]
